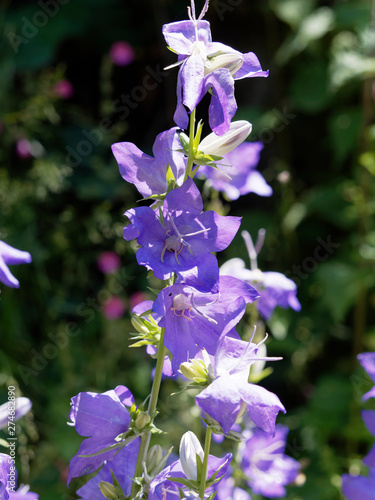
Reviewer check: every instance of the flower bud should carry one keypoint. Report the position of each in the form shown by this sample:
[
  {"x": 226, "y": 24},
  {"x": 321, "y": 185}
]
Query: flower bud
[
  {"x": 194, "y": 371},
  {"x": 154, "y": 457},
  {"x": 220, "y": 145},
  {"x": 190, "y": 447},
  {"x": 230, "y": 61},
  {"x": 139, "y": 324},
  {"x": 142, "y": 420},
  {"x": 109, "y": 491}
]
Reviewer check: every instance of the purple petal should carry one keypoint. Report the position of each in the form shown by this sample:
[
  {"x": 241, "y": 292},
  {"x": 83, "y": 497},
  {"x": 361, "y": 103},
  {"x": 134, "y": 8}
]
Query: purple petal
[
  {"x": 186, "y": 198},
  {"x": 368, "y": 416},
  {"x": 192, "y": 76},
  {"x": 181, "y": 35},
  {"x": 358, "y": 487},
  {"x": 250, "y": 67},
  {"x": 223, "y": 104},
  {"x": 369, "y": 459},
  {"x": 367, "y": 360},
  {"x": 13, "y": 256}
]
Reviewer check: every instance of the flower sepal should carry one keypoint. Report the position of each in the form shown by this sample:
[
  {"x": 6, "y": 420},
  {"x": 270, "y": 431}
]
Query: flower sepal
[
  {"x": 112, "y": 491},
  {"x": 217, "y": 429},
  {"x": 147, "y": 328}
]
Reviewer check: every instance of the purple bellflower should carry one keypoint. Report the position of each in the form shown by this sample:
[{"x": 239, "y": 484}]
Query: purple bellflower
[
  {"x": 21, "y": 407},
  {"x": 193, "y": 320},
  {"x": 206, "y": 65},
  {"x": 162, "y": 488},
  {"x": 274, "y": 289},
  {"x": 227, "y": 490},
  {"x": 237, "y": 175},
  {"x": 182, "y": 239},
  {"x": 267, "y": 468},
  {"x": 101, "y": 418},
  {"x": 147, "y": 173},
  {"x": 229, "y": 394},
  {"x": 122, "y": 466},
  {"x": 8, "y": 482},
  {"x": 11, "y": 256},
  {"x": 367, "y": 360},
  {"x": 359, "y": 487}
]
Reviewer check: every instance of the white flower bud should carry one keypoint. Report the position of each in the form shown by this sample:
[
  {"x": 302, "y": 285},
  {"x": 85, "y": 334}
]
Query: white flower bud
[
  {"x": 190, "y": 447},
  {"x": 230, "y": 61},
  {"x": 220, "y": 145}
]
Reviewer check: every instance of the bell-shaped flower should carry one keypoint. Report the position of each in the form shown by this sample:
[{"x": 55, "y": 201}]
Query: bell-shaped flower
[
  {"x": 11, "y": 256},
  {"x": 274, "y": 289},
  {"x": 8, "y": 485},
  {"x": 165, "y": 486},
  {"x": 229, "y": 394},
  {"x": 194, "y": 320},
  {"x": 147, "y": 173},
  {"x": 235, "y": 174},
  {"x": 367, "y": 360},
  {"x": 101, "y": 418},
  {"x": 182, "y": 238},
  {"x": 206, "y": 65},
  {"x": 359, "y": 487},
  {"x": 267, "y": 469},
  {"x": 21, "y": 407},
  {"x": 122, "y": 466}
]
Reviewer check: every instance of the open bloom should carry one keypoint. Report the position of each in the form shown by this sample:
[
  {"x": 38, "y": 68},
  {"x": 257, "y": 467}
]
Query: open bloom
[
  {"x": 274, "y": 289},
  {"x": 193, "y": 320},
  {"x": 183, "y": 239},
  {"x": 11, "y": 256},
  {"x": 206, "y": 65},
  {"x": 367, "y": 360},
  {"x": 162, "y": 488},
  {"x": 236, "y": 174},
  {"x": 267, "y": 468},
  {"x": 101, "y": 418},
  {"x": 147, "y": 173},
  {"x": 229, "y": 392}
]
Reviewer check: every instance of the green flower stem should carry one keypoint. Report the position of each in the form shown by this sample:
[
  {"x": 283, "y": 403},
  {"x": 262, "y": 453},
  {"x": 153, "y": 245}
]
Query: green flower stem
[
  {"x": 190, "y": 162},
  {"x": 146, "y": 436},
  {"x": 207, "y": 446}
]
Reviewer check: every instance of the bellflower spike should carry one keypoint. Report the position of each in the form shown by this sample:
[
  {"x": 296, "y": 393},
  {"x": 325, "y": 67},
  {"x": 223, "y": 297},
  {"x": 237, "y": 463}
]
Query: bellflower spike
[
  {"x": 274, "y": 289},
  {"x": 237, "y": 175},
  {"x": 206, "y": 65},
  {"x": 267, "y": 468},
  {"x": 101, "y": 418},
  {"x": 11, "y": 256},
  {"x": 181, "y": 240},
  {"x": 367, "y": 360},
  {"x": 194, "y": 320},
  {"x": 229, "y": 393},
  {"x": 147, "y": 173},
  {"x": 162, "y": 488}
]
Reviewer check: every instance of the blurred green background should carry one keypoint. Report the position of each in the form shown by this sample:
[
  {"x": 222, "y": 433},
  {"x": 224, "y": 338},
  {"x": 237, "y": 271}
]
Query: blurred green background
[{"x": 63, "y": 102}]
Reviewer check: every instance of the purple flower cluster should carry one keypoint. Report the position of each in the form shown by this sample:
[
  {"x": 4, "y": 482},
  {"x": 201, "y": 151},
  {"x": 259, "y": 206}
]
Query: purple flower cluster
[{"x": 195, "y": 314}]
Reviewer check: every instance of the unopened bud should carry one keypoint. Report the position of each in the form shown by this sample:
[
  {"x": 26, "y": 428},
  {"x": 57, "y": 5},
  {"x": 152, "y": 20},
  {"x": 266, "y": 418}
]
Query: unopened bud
[
  {"x": 142, "y": 420},
  {"x": 154, "y": 457},
  {"x": 190, "y": 447},
  {"x": 110, "y": 492},
  {"x": 140, "y": 324},
  {"x": 195, "y": 371},
  {"x": 220, "y": 145},
  {"x": 231, "y": 61}
]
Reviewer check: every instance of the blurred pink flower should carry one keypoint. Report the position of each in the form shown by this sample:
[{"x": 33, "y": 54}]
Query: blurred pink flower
[
  {"x": 109, "y": 262},
  {"x": 121, "y": 53},
  {"x": 114, "y": 308},
  {"x": 137, "y": 298},
  {"x": 23, "y": 148},
  {"x": 64, "y": 89}
]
